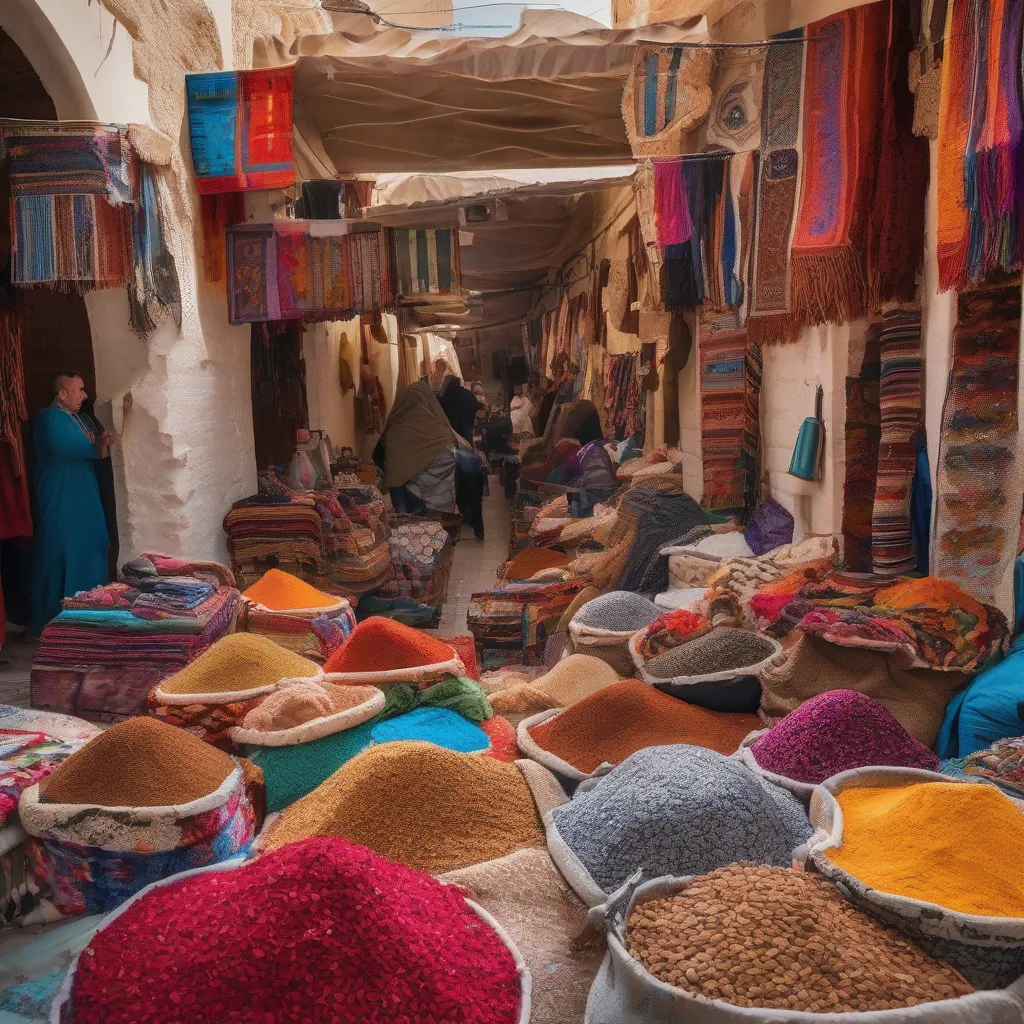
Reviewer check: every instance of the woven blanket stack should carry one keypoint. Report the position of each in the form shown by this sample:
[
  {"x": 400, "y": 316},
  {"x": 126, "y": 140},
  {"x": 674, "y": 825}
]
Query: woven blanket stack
[
  {"x": 359, "y": 553},
  {"x": 111, "y": 645}
]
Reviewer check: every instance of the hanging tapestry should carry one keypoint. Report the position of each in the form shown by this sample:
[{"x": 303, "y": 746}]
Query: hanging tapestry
[
  {"x": 153, "y": 287},
  {"x": 778, "y": 181},
  {"x": 993, "y": 167},
  {"x": 240, "y": 129},
  {"x": 735, "y": 118},
  {"x": 15, "y": 514},
  {"x": 978, "y": 485},
  {"x": 667, "y": 94},
  {"x": 625, "y": 402},
  {"x": 426, "y": 262},
  {"x": 899, "y": 402},
  {"x": 71, "y": 186},
  {"x": 722, "y": 344},
  {"x": 895, "y": 239},
  {"x": 753, "y": 374},
  {"x": 958, "y": 72},
  {"x": 306, "y": 270},
  {"x": 842, "y": 93},
  {"x": 863, "y": 431},
  {"x": 220, "y": 211}
]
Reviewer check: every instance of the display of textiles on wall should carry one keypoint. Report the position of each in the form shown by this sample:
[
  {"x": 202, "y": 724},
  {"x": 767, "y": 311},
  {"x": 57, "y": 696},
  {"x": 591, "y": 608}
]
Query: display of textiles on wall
[
  {"x": 86, "y": 214},
  {"x": 426, "y": 262},
  {"x": 979, "y": 480},
  {"x": 730, "y": 387},
  {"x": 862, "y": 435},
  {"x": 306, "y": 270},
  {"x": 240, "y": 128},
  {"x": 703, "y": 212},
  {"x": 981, "y": 176},
  {"x": 667, "y": 93}
]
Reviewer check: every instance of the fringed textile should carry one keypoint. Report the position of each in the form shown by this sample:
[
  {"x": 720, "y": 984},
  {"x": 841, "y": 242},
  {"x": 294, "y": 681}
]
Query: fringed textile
[
  {"x": 426, "y": 262},
  {"x": 899, "y": 401},
  {"x": 306, "y": 270},
  {"x": 895, "y": 239},
  {"x": 842, "y": 91},
  {"x": 778, "y": 183},
  {"x": 958, "y": 68},
  {"x": 153, "y": 289},
  {"x": 863, "y": 432},
  {"x": 240, "y": 128},
  {"x": 220, "y": 211},
  {"x": 15, "y": 514},
  {"x": 625, "y": 408},
  {"x": 722, "y": 344},
  {"x": 978, "y": 486}
]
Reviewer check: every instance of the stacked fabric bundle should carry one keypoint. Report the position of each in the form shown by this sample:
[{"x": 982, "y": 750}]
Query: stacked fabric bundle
[
  {"x": 604, "y": 627},
  {"x": 512, "y": 623},
  {"x": 390, "y": 945},
  {"x": 213, "y": 694},
  {"x": 110, "y": 646},
  {"x": 295, "y": 615},
  {"x": 137, "y": 803},
  {"x": 358, "y": 549},
  {"x": 32, "y": 745},
  {"x": 422, "y": 805}
]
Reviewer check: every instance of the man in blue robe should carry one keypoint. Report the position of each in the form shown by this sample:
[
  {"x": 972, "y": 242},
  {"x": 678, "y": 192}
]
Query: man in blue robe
[{"x": 71, "y": 534}]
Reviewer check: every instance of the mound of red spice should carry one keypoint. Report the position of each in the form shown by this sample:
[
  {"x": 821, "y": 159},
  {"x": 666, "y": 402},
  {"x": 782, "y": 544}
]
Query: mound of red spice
[
  {"x": 322, "y": 930},
  {"x": 378, "y": 644}
]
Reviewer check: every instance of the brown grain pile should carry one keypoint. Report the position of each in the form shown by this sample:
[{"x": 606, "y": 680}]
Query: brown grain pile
[
  {"x": 620, "y": 719},
  {"x": 239, "y": 661},
  {"x": 138, "y": 763},
  {"x": 777, "y": 938},
  {"x": 422, "y": 805}
]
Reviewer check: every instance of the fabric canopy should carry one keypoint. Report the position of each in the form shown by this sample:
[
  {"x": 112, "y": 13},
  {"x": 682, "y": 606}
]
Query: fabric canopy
[{"x": 549, "y": 95}]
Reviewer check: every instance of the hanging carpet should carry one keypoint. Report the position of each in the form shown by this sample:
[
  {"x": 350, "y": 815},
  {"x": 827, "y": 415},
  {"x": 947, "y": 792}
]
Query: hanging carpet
[{"x": 426, "y": 262}]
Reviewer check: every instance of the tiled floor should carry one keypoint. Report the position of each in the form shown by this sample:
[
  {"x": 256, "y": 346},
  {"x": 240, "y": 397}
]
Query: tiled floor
[{"x": 476, "y": 561}]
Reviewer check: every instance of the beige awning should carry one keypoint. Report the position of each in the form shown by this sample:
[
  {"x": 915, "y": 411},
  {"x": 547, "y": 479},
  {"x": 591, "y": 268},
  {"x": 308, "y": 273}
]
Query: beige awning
[{"x": 549, "y": 95}]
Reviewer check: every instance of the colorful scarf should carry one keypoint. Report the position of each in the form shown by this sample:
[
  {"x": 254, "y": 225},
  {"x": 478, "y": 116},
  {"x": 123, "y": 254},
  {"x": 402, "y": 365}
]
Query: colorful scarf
[
  {"x": 778, "y": 181},
  {"x": 240, "y": 128},
  {"x": 900, "y": 413},
  {"x": 306, "y": 270},
  {"x": 861, "y": 443},
  {"x": 426, "y": 262},
  {"x": 153, "y": 288},
  {"x": 895, "y": 239},
  {"x": 958, "y": 72},
  {"x": 842, "y": 89},
  {"x": 978, "y": 486}
]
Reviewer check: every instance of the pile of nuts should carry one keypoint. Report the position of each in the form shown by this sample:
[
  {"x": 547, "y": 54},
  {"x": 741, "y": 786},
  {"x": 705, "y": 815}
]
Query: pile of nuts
[{"x": 778, "y": 938}]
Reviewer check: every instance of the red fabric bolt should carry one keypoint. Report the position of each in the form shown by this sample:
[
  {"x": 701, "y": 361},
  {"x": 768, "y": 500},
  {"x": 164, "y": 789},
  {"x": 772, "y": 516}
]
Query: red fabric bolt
[
  {"x": 322, "y": 930},
  {"x": 378, "y": 644}
]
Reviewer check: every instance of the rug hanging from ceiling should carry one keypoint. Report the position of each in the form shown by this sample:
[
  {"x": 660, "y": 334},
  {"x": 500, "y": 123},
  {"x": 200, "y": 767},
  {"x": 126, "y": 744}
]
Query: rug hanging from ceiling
[
  {"x": 842, "y": 94},
  {"x": 220, "y": 211},
  {"x": 863, "y": 431},
  {"x": 240, "y": 129},
  {"x": 979, "y": 481},
  {"x": 667, "y": 93},
  {"x": 153, "y": 289},
  {"x": 895, "y": 235},
  {"x": 426, "y": 262},
  {"x": 72, "y": 184},
  {"x": 306, "y": 270},
  {"x": 722, "y": 344},
  {"x": 777, "y": 187},
  {"x": 899, "y": 400},
  {"x": 734, "y": 121}
]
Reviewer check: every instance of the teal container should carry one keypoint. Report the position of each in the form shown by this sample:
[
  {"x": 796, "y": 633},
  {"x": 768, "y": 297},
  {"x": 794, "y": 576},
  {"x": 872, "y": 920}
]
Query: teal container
[{"x": 806, "y": 459}]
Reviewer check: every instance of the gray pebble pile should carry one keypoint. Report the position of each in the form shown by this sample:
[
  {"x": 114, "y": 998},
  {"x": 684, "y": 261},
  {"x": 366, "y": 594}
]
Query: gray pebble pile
[
  {"x": 621, "y": 610},
  {"x": 679, "y": 810},
  {"x": 717, "y": 651}
]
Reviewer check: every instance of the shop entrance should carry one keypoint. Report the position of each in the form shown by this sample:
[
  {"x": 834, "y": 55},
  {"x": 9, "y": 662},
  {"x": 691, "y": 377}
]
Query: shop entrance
[{"x": 56, "y": 338}]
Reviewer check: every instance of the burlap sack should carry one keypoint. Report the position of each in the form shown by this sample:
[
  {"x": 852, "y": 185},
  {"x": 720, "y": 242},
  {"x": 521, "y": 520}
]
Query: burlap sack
[{"x": 916, "y": 698}]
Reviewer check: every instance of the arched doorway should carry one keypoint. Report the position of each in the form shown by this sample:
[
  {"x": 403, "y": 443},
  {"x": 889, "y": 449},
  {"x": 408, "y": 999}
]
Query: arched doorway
[{"x": 56, "y": 336}]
